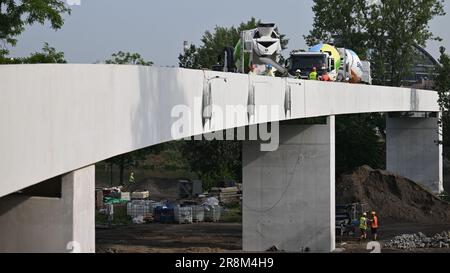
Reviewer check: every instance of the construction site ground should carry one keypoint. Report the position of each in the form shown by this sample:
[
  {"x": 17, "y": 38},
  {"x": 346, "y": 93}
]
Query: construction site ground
[{"x": 226, "y": 237}]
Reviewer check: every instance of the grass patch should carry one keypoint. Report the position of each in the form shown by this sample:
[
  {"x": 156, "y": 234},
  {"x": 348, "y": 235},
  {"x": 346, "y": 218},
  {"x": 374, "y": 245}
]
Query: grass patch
[
  {"x": 233, "y": 214},
  {"x": 120, "y": 216}
]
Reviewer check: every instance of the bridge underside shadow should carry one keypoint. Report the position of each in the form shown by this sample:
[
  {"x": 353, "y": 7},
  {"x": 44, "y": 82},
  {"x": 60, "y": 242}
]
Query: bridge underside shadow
[
  {"x": 288, "y": 194},
  {"x": 55, "y": 216}
]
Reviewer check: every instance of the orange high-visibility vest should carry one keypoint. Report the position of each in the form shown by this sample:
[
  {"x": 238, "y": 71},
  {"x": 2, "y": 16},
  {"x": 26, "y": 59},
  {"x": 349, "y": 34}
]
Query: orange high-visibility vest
[{"x": 375, "y": 222}]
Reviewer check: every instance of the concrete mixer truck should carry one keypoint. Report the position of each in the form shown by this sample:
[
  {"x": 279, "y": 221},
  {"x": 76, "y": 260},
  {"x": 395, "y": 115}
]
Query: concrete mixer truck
[
  {"x": 260, "y": 46},
  {"x": 341, "y": 64}
]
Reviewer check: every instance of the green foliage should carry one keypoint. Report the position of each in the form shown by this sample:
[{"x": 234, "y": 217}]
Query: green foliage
[
  {"x": 338, "y": 21},
  {"x": 358, "y": 142},
  {"x": 213, "y": 44},
  {"x": 393, "y": 28},
  {"x": 190, "y": 58},
  {"x": 120, "y": 217},
  {"x": 133, "y": 160},
  {"x": 48, "y": 55},
  {"x": 16, "y": 15},
  {"x": 128, "y": 58},
  {"x": 389, "y": 28},
  {"x": 442, "y": 86},
  {"x": 213, "y": 160},
  {"x": 233, "y": 214}
]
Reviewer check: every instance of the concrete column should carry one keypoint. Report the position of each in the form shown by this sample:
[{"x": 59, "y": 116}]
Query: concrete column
[
  {"x": 412, "y": 150},
  {"x": 289, "y": 194},
  {"x": 51, "y": 224}
]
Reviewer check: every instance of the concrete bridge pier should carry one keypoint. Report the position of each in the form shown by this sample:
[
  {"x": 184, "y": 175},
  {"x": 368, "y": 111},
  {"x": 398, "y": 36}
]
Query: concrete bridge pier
[
  {"x": 412, "y": 148},
  {"x": 57, "y": 215},
  {"x": 289, "y": 194}
]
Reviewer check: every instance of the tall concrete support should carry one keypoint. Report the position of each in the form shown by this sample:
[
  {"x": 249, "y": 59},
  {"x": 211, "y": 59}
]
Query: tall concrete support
[
  {"x": 289, "y": 194},
  {"x": 412, "y": 149},
  {"x": 51, "y": 224}
]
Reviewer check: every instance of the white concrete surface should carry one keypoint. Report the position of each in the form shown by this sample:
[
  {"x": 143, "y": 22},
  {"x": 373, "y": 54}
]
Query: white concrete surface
[
  {"x": 39, "y": 224},
  {"x": 412, "y": 150},
  {"x": 58, "y": 118},
  {"x": 289, "y": 194}
]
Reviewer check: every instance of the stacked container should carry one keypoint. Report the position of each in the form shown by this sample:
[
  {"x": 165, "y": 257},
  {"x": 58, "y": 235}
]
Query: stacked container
[
  {"x": 183, "y": 215},
  {"x": 198, "y": 213},
  {"x": 139, "y": 208},
  {"x": 212, "y": 213}
]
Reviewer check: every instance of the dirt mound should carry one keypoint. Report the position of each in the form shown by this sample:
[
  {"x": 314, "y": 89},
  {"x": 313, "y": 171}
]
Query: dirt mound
[{"x": 392, "y": 196}]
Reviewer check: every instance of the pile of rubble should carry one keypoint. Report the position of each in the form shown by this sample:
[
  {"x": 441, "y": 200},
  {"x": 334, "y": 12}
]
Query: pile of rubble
[{"x": 420, "y": 240}]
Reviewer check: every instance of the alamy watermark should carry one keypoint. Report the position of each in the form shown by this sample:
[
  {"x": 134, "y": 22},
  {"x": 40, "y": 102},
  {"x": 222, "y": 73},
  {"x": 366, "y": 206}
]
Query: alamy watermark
[{"x": 227, "y": 123}]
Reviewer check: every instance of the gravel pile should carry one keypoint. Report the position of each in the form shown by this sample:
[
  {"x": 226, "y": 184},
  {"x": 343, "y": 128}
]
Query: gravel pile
[{"x": 420, "y": 240}]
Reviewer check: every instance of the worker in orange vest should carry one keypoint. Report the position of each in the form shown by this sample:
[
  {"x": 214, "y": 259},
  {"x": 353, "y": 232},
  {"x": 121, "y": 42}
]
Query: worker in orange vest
[
  {"x": 325, "y": 77},
  {"x": 374, "y": 225}
]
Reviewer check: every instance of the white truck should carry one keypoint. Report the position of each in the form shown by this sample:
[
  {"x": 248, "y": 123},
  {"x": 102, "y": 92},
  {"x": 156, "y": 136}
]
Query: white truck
[{"x": 341, "y": 64}]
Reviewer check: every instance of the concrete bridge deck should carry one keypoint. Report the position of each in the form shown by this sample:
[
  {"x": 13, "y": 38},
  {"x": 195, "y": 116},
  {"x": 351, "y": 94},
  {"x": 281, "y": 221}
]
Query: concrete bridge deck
[{"x": 59, "y": 120}]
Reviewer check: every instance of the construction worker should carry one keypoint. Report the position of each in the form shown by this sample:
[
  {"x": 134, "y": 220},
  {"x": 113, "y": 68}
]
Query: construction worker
[
  {"x": 313, "y": 74},
  {"x": 325, "y": 77},
  {"x": 298, "y": 74},
  {"x": 131, "y": 180},
  {"x": 363, "y": 226},
  {"x": 252, "y": 70},
  {"x": 374, "y": 225},
  {"x": 269, "y": 70}
]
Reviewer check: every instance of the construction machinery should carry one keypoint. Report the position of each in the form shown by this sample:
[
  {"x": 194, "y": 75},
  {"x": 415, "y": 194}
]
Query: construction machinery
[
  {"x": 347, "y": 218},
  {"x": 260, "y": 47},
  {"x": 341, "y": 64}
]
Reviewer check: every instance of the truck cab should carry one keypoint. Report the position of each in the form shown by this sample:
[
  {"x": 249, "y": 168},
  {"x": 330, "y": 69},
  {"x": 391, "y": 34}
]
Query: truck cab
[{"x": 305, "y": 61}]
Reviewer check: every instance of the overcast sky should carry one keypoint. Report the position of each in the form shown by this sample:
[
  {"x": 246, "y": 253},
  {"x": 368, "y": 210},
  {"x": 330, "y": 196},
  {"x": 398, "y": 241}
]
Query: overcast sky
[{"x": 157, "y": 29}]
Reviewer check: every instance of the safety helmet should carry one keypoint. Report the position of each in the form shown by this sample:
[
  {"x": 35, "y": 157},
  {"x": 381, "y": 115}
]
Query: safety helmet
[
  {"x": 364, "y": 214},
  {"x": 373, "y": 213},
  {"x": 269, "y": 66},
  {"x": 298, "y": 71}
]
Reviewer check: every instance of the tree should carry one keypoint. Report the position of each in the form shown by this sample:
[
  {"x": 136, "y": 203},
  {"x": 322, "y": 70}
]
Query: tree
[
  {"x": 48, "y": 55},
  {"x": 190, "y": 58},
  {"x": 214, "y": 160},
  {"x": 338, "y": 22},
  {"x": 133, "y": 159},
  {"x": 16, "y": 15},
  {"x": 357, "y": 142},
  {"x": 393, "y": 28},
  {"x": 128, "y": 58},
  {"x": 388, "y": 29},
  {"x": 213, "y": 43},
  {"x": 442, "y": 86}
]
